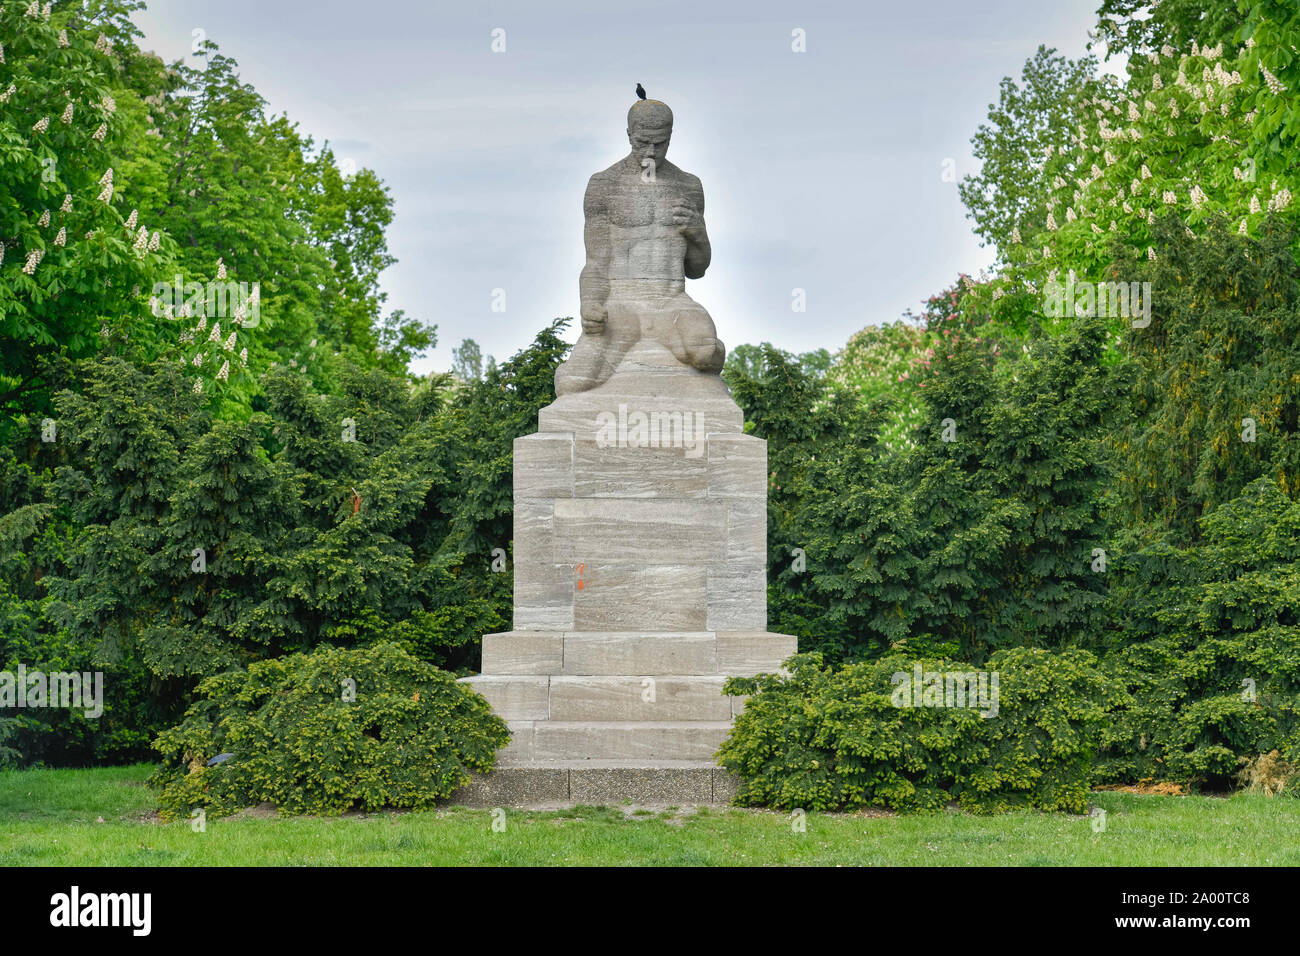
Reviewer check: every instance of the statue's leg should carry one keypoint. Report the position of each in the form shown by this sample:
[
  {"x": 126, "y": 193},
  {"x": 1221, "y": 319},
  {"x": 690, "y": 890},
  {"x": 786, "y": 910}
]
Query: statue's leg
[
  {"x": 693, "y": 338},
  {"x": 622, "y": 331},
  {"x": 595, "y": 357},
  {"x": 581, "y": 370}
]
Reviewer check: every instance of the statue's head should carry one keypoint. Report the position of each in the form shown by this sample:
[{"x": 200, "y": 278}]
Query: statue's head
[{"x": 649, "y": 128}]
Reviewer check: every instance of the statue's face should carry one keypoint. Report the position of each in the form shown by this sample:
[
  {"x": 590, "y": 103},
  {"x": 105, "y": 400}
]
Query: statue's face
[{"x": 650, "y": 144}]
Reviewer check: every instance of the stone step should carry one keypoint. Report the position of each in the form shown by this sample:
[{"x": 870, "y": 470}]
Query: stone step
[
  {"x": 619, "y": 653},
  {"x": 564, "y": 783},
  {"x": 514, "y": 696},
  {"x": 606, "y": 698},
  {"x": 551, "y": 740},
  {"x": 610, "y": 698}
]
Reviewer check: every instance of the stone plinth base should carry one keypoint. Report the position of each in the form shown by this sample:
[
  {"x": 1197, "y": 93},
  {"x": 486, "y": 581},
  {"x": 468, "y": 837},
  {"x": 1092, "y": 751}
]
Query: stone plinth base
[
  {"x": 615, "y": 717},
  {"x": 640, "y": 586}
]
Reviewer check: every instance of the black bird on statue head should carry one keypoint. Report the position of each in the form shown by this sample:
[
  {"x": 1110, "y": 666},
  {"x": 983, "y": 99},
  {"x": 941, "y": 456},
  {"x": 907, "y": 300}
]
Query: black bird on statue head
[{"x": 640, "y": 91}]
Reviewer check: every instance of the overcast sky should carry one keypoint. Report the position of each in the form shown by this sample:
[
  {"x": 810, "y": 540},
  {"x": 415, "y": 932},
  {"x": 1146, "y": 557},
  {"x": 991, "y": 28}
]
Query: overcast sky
[{"x": 822, "y": 170}]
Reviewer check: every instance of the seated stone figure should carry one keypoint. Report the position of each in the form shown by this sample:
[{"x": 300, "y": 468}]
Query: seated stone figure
[{"x": 645, "y": 236}]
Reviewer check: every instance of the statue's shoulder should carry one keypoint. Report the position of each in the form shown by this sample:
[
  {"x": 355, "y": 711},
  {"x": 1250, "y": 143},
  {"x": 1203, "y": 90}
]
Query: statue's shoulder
[
  {"x": 606, "y": 176},
  {"x": 601, "y": 186},
  {"x": 689, "y": 181}
]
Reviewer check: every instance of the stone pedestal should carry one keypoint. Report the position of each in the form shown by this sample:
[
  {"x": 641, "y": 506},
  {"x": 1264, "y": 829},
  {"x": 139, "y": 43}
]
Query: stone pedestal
[{"x": 640, "y": 586}]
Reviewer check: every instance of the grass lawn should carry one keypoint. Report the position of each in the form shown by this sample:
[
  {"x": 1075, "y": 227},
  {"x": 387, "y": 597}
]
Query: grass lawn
[{"x": 52, "y": 818}]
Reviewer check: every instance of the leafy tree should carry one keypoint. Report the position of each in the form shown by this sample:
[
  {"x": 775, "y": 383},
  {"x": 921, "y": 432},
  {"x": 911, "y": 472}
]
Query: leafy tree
[
  {"x": 1268, "y": 32},
  {"x": 983, "y": 537},
  {"x": 467, "y": 361},
  {"x": 1038, "y": 113},
  {"x": 72, "y": 264},
  {"x": 1217, "y": 403},
  {"x": 748, "y": 360},
  {"x": 804, "y": 420},
  {"x": 1209, "y": 645}
]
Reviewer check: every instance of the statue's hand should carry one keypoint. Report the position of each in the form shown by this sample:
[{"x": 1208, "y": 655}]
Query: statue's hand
[
  {"x": 593, "y": 318},
  {"x": 683, "y": 216}
]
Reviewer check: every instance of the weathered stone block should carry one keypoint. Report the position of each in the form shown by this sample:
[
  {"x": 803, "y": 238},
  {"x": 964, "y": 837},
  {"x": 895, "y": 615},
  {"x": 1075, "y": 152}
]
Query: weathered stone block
[
  {"x": 638, "y": 473},
  {"x": 523, "y": 652},
  {"x": 640, "y": 532},
  {"x": 725, "y": 785},
  {"x": 543, "y": 466},
  {"x": 515, "y": 787},
  {"x": 641, "y": 785},
  {"x": 747, "y": 534},
  {"x": 630, "y": 653},
  {"x": 627, "y": 740},
  {"x": 737, "y": 466},
  {"x": 515, "y": 696},
  {"x": 623, "y": 599},
  {"x": 746, "y": 653},
  {"x": 737, "y": 600},
  {"x": 598, "y": 698}
]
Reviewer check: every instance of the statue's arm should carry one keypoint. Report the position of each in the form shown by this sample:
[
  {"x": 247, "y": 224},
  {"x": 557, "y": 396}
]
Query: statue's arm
[
  {"x": 593, "y": 283},
  {"x": 698, "y": 251}
]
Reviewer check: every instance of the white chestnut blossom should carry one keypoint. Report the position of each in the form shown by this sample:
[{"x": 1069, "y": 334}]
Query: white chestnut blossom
[{"x": 1274, "y": 84}]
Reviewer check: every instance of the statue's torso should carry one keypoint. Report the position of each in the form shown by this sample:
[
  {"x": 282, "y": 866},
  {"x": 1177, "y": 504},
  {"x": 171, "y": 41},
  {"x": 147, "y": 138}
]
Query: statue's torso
[{"x": 645, "y": 244}]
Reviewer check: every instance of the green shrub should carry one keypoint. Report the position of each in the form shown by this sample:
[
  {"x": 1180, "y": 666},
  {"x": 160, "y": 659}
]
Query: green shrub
[
  {"x": 300, "y": 742},
  {"x": 834, "y": 739},
  {"x": 1214, "y": 673}
]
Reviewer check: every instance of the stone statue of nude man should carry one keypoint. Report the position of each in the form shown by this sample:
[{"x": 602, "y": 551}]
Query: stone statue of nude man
[{"x": 645, "y": 236}]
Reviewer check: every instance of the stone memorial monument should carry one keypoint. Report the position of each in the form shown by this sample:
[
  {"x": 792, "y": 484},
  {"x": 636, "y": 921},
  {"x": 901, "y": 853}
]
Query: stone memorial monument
[{"x": 640, "y": 523}]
